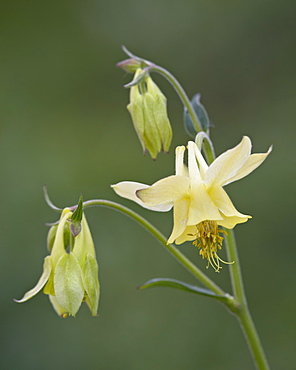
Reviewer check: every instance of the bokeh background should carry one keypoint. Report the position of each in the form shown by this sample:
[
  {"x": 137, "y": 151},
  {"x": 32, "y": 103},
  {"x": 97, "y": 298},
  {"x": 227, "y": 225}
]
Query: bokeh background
[{"x": 64, "y": 124}]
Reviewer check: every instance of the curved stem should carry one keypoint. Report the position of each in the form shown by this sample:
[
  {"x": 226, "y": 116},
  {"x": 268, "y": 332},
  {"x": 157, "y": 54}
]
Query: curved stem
[
  {"x": 240, "y": 308},
  {"x": 183, "y": 260},
  {"x": 208, "y": 149},
  {"x": 203, "y": 141},
  {"x": 180, "y": 91},
  {"x": 243, "y": 315}
]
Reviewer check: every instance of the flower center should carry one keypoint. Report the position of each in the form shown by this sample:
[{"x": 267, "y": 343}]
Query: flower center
[{"x": 209, "y": 242}]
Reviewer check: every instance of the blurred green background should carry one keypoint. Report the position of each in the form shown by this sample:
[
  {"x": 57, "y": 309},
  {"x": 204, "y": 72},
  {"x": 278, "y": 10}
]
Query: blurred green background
[{"x": 64, "y": 123}]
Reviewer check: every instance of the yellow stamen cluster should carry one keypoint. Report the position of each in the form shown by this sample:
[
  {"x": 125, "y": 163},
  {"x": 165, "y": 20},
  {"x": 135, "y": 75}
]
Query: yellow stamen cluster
[{"x": 209, "y": 241}]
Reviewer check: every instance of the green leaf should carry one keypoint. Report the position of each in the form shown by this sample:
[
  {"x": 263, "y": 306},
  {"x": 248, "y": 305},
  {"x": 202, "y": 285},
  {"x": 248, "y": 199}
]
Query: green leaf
[{"x": 172, "y": 283}]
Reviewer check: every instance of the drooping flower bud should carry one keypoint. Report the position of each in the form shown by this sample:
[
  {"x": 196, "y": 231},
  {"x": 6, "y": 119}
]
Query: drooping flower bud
[
  {"x": 149, "y": 114},
  {"x": 201, "y": 114},
  {"x": 69, "y": 278},
  {"x": 129, "y": 65}
]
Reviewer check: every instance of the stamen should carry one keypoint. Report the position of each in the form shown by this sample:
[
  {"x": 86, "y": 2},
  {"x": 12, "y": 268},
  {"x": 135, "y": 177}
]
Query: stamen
[{"x": 209, "y": 241}]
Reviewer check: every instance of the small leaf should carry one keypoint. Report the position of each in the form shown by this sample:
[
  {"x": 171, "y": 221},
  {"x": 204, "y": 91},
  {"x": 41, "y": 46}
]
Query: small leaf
[{"x": 172, "y": 283}]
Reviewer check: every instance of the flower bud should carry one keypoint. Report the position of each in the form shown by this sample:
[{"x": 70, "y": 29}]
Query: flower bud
[
  {"x": 201, "y": 114},
  {"x": 69, "y": 278},
  {"x": 129, "y": 65},
  {"x": 149, "y": 114}
]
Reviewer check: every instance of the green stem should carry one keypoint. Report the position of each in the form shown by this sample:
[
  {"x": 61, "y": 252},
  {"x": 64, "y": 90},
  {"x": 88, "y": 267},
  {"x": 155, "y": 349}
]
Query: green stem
[
  {"x": 243, "y": 314},
  {"x": 240, "y": 308},
  {"x": 203, "y": 141},
  {"x": 208, "y": 149},
  {"x": 180, "y": 91},
  {"x": 183, "y": 260}
]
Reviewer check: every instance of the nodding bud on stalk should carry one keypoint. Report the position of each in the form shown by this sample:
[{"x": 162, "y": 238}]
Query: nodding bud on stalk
[
  {"x": 129, "y": 65},
  {"x": 201, "y": 114},
  {"x": 149, "y": 114},
  {"x": 69, "y": 277}
]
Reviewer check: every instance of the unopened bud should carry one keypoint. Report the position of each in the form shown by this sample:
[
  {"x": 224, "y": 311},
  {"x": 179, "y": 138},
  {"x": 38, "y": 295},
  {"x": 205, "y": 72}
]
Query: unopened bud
[
  {"x": 69, "y": 278},
  {"x": 129, "y": 65},
  {"x": 201, "y": 114},
  {"x": 149, "y": 114}
]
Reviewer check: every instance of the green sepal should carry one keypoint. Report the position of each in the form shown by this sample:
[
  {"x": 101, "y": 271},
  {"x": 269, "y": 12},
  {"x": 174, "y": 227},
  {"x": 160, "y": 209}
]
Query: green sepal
[
  {"x": 91, "y": 283},
  {"x": 57, "y": 307},
  {"x": 172, "y": 283},
  {"x": 138, "y": 79},
  {"x": 152, "y": 135},
  {"x": 76, "y": 218},
  {"x": 49, "y": 287},
  {"x": 47, "y": 268},
  {"x": 136, "y": 111},
  {"x": 51, "y": 237},
  {"x": 202, "y": 116},
  {"x": 68, "y": 285}
]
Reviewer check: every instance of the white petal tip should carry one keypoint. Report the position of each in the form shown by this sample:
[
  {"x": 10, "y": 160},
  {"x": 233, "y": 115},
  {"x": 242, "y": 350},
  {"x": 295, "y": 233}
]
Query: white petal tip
[{"x": 20, "y": 300}]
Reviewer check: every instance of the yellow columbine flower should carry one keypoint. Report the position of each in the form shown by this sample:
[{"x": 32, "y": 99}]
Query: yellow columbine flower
[
  {"x": 197, "y": 195},
  {"x": 69, "y": 278}
]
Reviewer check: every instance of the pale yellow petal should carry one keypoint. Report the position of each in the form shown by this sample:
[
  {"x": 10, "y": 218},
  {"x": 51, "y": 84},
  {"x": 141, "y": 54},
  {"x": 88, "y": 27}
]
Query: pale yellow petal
[
  {"x": 227, "y": 165},
  {"x": 188, "y": 234},
  {"x": 58, "y": 248},
  {"x": 83, "y": 243},
  {"x": 224, "y": 204},
  {"x": 249, "y": 166},
  {"x": 231, "y": 222},
  {"x": 181, "y": 209},
  {"x": 203, "y": 167},
  {"x": 202, "y": 206},
  {"x": 180, "y": 166},
  {"x": 193, "y": 169},
  {"x": 165, "y": 191},
  {"x": 128, "y": 189},
  {"x": 47, "y": 266}
]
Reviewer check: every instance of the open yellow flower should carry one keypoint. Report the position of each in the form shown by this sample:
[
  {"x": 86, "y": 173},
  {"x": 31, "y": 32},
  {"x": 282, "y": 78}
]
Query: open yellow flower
[{"x": 197, "y": 195}]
